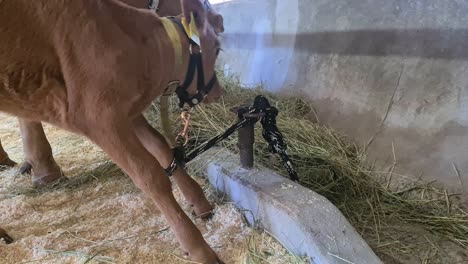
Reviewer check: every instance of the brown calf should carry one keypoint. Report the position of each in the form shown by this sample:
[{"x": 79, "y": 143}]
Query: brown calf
[
  {"x": 37, "y": 150},
  {"x": 93, "y": 67}
]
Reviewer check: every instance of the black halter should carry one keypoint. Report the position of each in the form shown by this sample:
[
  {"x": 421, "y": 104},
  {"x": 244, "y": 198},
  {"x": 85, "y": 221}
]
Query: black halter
[{"x": 195, "y": 64}]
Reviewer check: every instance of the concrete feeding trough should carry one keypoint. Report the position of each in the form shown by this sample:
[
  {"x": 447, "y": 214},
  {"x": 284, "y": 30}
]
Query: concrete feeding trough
[
  {"x": 306, "y": 223},
  {"x": 303, "y": 221}
]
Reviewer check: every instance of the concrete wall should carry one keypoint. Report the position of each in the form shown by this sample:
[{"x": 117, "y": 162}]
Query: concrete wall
[{"x": 357, "y": 59}]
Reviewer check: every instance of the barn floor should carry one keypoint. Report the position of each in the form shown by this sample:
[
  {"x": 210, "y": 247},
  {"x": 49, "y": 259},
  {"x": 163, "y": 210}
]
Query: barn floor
[{"x": 103, "y": 219}]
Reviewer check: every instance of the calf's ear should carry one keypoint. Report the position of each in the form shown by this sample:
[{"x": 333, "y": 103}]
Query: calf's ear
[
  {"x": 195, "y": 8},
  {"x": 216, "y": 21}
]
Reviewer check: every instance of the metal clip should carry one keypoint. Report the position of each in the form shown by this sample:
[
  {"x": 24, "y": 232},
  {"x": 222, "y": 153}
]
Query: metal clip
[{"x": 153, "y": 4}]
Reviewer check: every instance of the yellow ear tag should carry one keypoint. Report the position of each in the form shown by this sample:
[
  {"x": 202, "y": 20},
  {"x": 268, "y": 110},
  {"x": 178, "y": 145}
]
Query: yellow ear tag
[{"x": 191, "y": 29}]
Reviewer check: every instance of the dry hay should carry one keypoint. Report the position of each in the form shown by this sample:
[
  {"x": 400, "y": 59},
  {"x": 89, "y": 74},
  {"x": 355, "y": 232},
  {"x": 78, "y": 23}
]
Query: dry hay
[
  {"x": 98, "y": 216},
  {"x": 403, "y": 219}
]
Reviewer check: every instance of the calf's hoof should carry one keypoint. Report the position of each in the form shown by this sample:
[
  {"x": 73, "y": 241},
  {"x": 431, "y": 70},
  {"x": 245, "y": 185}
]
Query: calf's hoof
[
  {"x": 203, "y": 210},
  {"x": 219, "y": 261},
  {"x": 44, "y": 174},
  {"x": 5, "y": 237},
  {"x": 48, "y": 179},
  {"x": 6, "y": 163},
  {"x": 205, "y": 256},
  {"x": 203, "y": 216},
  {"x": 25, "y": 168}
]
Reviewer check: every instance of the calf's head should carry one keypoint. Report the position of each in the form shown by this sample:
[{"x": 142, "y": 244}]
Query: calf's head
[{"x": 209, "y": 25}]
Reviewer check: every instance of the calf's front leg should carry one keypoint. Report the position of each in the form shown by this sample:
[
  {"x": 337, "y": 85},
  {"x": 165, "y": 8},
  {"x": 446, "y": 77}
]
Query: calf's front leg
[
  {"x": 155, "y": 143},
  {"x": 38, "y": 154},
  {"x": 5, "y": 237},
  {"x": 117, "y": 137},
  {"x": 5, "y": 161}
]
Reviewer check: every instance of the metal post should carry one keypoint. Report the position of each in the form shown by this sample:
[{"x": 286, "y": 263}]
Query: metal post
[{"x": 245, "y": 144}]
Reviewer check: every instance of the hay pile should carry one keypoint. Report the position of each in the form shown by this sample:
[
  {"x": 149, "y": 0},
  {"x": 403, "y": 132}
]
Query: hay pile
[
  {"x": 402, "y": 219},
  {"x": 98, "y": 216}
]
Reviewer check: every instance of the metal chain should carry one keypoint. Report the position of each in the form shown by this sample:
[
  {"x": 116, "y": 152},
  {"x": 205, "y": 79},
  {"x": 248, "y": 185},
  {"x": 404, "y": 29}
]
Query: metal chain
[{"x": 262, "y": 111}]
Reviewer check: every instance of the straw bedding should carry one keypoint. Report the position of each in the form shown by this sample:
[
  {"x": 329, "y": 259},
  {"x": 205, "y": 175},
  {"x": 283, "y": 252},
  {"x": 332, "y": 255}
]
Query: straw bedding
[{"x": 403, "y": 219}]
